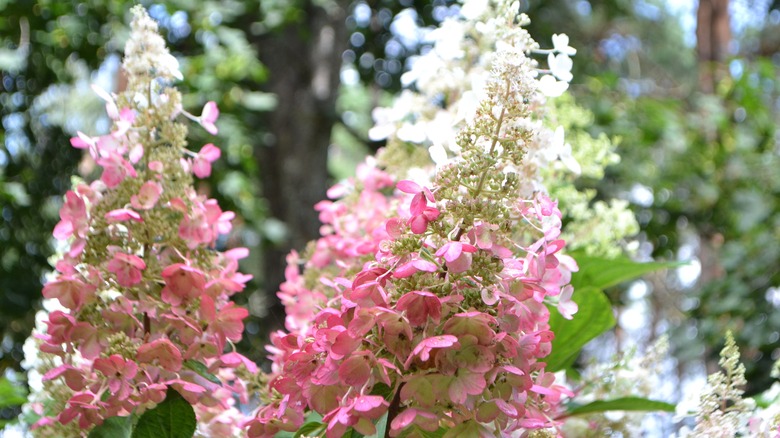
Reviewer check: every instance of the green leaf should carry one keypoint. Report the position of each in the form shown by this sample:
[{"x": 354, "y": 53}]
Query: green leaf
[
  {"x": 311, "y": 417},
  {"x": 258, "y": 101},
  {"x": 438, "y": 433},
  {"x": 601, "y": 273},
  {"x": 593, "y": 318},
  {"x": 11, "y": 394},
  {"x": 202, "y": 370},
  {"x": 623, "y": 404},
  {"x": 383, "y": 390},
  {"x": 595, "y": 311},
  {"x": 352, "y": 433},
  {"x": 312, "y": 428},
  {"x": 18, "y": 193},
  {"x": 113, "y": 427},
  {"x": 173, "y": 418},
  {"x": 381, "y": 428}
]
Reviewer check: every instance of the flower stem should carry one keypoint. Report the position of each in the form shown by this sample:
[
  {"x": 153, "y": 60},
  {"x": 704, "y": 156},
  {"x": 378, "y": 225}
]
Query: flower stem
[
  {"x": 493, "y": 144},
  {"x": 393, "y": 410}
]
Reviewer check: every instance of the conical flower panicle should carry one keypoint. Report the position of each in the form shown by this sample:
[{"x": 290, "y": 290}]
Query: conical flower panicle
[
  {"x": 143, "y": 296},
  {"x": 426, "y": 296},
  {"x": 449, "y": 83}
]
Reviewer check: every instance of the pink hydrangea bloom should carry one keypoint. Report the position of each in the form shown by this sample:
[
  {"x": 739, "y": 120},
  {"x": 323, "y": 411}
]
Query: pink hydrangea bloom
[
  {"x": 208, "y": 116},
  {"x": 147, "y": 196},
  {"x": 182, "y": 282},
  {"x": 421, "y": 213},
  {"x": 73, "y": 217},
  {"x": 162, "y": 353},
  {"x": 123, "y": 214},
  {"x": 115, "y": 169},
  {"x": 446, "y": 351},
  {"x": 146, "y": 296},
  {"x": 201, "y": 165},
  {"x": 83, "y": 141},
  {"x": 85, "y": 406},
  {"x": 70, "y": 290},
  {"x": 119, "y": 372},
  {"x": 127, "y": 268}
]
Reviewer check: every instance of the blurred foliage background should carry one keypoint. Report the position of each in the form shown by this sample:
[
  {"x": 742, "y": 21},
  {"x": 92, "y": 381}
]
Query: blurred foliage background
[{"x": 691, "y": 92}]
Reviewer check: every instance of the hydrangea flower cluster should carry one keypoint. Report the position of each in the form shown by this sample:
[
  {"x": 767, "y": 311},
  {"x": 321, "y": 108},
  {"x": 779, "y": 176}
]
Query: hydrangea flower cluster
[
  {"x": 143, "y": 296},
  {"x": 449, "y": 82},
  {"x": 630, "y": 374},
  {"x": 426, "y": 298},
  {"x": 722, "y": 409}
]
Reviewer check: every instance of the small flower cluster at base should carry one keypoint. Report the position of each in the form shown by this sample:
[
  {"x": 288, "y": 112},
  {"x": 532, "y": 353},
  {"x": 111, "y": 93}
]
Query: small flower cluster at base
[
  {"x": 723, "y": 411},
  {"x": 144, "y": 296}
]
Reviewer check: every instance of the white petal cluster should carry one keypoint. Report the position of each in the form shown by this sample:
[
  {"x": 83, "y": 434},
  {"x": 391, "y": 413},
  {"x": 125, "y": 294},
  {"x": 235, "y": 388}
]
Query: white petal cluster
[
  {"x": 628, "y": 375},
  {"x": 560, "y": 66},
  {"x": 450, "y": 80},
  {"x": 447, "y": 84},
  {"x": 721, "y": 409},
  {"x": 146, "y": 55},
  {"x": 561, "y": 44}
]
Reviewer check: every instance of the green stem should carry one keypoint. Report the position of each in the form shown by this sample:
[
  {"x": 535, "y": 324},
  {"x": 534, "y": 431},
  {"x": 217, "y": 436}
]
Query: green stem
[{"x": 493, "y": 144}]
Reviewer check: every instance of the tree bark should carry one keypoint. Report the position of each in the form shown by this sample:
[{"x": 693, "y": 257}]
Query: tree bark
[
  {"x": 713, "y": 35},
  {"x": 304, "y": 61}
]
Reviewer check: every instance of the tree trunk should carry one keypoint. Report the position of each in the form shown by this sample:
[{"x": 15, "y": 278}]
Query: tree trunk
[
  {"x": 304, "y": 61},
  {"x": 713, "y": 34}
]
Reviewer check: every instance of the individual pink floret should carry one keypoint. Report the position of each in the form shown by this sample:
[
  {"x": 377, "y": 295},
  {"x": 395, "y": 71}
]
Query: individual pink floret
[
  {"x": 127, "y": 268},
  {"x": 182, "y": 282},
  {"x": 457, "y": 256},
  {"x": 119, "y": 373},
  {"x": 70, "y": 291},
  {"x": 162, "y": 353},
  {"x": 147, "y": 196},
  {"x": 201, "y": 165},
  {"x": 122, "y": 215},
  {"x": 115, "y": 169},
  {"x": 209, "y": 116},
  {"x": 73, "y": 217}
]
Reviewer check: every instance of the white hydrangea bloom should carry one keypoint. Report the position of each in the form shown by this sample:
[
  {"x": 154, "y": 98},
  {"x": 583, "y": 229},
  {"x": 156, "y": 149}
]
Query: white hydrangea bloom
[
  {"x": 560, "y": 66},
  {"x": 449, "y": 83},
  {"x": 561, "y": 44},
  {"x": 449, "y": 40},
  {"x": 474, "y": 9},
  {"x": 551, "y": 87},
  {"x": 148, "y": 53}
]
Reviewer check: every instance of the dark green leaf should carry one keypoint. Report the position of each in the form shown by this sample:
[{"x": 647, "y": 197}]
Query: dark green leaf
[
  {"x": 601, "y": 273},
  {"x": 311, "y": 417},
  {"x": 352, "y": 433},
  {"x": 383, "y": 390},
  {"x": 381, "y": 427},
  {"x": 11, "y": 394},
  {"x": 438, "y": 433},
  {"x": 593, "y": 318},
  {"x": 173, "y": 418},
  {"x": 113, "y": 427},
  {"x": 623, "y": 404},
  {"x": 202, "y": 370},
  {"x": 312, "y": 428}
]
